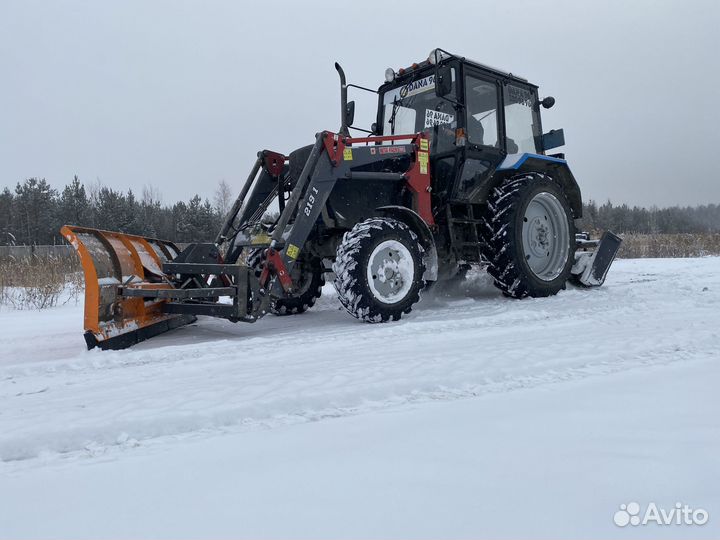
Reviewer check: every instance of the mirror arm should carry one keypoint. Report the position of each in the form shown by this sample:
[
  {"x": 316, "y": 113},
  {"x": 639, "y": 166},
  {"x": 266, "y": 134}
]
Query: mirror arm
[
  {"x": 363, "y": 130},
  {"x": 362, "y": 88}
]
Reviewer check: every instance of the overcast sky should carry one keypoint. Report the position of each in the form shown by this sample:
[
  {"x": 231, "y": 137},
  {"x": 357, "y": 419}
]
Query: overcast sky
[{"x": 183, "y": 94}]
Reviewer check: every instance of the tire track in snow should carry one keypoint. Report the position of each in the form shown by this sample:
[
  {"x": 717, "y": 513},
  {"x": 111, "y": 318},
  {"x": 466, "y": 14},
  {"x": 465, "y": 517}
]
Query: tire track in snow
[{"x": 325, "y": 365}]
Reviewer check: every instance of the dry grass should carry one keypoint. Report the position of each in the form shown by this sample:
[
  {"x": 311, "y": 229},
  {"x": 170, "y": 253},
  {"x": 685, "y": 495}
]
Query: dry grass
[
  {"x": 39, "y": 282},
  {"x": 636, "y": 246}
]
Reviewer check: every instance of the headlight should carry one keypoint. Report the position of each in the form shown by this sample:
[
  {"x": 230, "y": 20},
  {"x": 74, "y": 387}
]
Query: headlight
[
  {"x": 436, "y": 55},
  {"x": 389, "y": 74}
]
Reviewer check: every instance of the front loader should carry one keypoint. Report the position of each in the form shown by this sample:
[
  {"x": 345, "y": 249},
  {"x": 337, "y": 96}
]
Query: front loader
[{"x": 453, "y": 173}]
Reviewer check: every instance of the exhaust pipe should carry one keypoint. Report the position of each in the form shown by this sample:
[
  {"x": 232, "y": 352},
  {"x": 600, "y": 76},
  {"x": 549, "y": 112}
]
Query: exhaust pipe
[{"x": 343, "y": 101}]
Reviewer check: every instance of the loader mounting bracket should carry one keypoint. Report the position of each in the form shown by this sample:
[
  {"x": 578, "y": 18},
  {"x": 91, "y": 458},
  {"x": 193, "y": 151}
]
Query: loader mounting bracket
[
  {"x": 274, "y": 263},
  {"x": 274, "y": 162}
]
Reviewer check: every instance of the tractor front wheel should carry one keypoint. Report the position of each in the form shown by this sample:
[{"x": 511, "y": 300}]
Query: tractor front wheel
[
  {"x": 308, "y": 274},
  {"x": 379, "y": 269}
]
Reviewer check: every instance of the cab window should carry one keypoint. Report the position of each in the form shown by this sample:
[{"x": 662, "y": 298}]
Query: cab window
[
  {"x": 521, "y": 125},
  {"x": 481, "y": 105}
]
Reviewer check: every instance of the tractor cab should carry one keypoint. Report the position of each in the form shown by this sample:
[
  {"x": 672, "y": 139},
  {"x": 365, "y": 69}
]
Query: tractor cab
[{"x": 474, "y": 115}]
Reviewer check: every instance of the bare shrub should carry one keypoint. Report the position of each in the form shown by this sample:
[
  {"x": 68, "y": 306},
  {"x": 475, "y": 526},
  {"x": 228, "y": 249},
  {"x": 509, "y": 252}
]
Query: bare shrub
[{"x": 38, "y": 282}]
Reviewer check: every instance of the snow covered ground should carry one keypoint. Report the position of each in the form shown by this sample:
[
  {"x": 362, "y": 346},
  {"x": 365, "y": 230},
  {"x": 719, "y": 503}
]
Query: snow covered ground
[{"x": 475, "y": 416}]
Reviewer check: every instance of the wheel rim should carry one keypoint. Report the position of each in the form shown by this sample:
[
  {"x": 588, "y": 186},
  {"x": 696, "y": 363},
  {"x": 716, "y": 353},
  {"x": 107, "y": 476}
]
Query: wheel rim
[
  {"x": 302, "y": 275},
  {"x": 390, "y": 271},
  {"x": 545, "y": 236}
]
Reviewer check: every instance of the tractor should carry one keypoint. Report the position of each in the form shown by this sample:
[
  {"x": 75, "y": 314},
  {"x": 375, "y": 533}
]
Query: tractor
[{"x": 453, "y": 173}]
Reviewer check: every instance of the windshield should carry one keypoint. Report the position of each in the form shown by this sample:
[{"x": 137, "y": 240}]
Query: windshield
[{"x": 414, "y": 107}]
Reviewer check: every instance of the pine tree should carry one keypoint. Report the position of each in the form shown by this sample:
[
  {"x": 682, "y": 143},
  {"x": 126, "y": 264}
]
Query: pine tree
[
  {"x": 7, "y": 229},
  {"x": 151, "y": 211},
  {"x": 35, "y": 212},
  {"x": 179, "y": 222},
  {"x": 74, "y": 204}
]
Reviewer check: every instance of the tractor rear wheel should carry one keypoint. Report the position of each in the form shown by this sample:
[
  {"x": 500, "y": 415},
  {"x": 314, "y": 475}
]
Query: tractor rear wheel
[
  {"x": 378, "y": 270},
  {"x": 529, "y": 236},
  {"x": 308, "y": 274}
]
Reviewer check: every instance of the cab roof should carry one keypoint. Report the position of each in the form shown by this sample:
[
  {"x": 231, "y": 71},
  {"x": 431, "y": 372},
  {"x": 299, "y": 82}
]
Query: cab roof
[{"x": 406, "y": 73}]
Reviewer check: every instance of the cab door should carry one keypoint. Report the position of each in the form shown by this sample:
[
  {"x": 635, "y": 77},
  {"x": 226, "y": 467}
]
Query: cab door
[{"x": 484, "y": 134}]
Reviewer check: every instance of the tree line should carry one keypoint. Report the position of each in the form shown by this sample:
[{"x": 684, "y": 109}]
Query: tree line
[
  {"x": 639, "y": 220},
  {"x": 33, "y": 213}
]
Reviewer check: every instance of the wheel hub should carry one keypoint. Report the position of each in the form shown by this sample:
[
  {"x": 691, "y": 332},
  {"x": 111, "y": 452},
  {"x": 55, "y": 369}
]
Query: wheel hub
[
  {"x": 545, "y": 236},
  {"x": 390, "y": 271},
  {"x": 540, "y": 237}
]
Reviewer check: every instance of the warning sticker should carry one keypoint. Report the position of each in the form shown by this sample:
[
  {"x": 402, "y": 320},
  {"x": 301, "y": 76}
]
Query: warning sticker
[
  {"x": 437, "y": 118},
  {"x": 347, "y": 154},
  {"x": 392, "y": 149},
  {"x": 423, "y": 144},
  {"x": 292, "y": 251},
  {"x": 260, "y": 238},
  {"x": 423, "y": 160}
]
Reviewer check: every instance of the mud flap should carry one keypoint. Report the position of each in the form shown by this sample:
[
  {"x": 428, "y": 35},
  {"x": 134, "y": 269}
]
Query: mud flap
[
  {"x": 591, "y": 267},
  {"x": 111, "y": 260}
]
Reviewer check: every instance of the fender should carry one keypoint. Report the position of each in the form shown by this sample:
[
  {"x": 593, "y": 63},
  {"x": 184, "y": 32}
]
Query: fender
[
  {"x": 419, "y": 227},
  {"x": 552, "y": 166}
]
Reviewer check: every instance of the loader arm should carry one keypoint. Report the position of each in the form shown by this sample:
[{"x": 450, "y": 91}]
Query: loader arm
[{"x": 331, "y": 159}]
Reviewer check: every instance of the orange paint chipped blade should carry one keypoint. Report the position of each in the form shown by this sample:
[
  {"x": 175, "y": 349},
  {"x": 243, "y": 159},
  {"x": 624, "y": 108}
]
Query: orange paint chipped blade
[{"x": 109, "y": 260}]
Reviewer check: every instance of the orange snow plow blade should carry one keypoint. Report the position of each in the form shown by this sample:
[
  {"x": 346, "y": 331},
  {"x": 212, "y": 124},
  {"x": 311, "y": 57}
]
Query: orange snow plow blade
[{"x": 111, "y": 260}]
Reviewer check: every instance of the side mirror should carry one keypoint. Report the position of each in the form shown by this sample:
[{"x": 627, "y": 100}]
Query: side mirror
[
  {"x": 548, "y": 102},
  {"x": 443, "y": 81},
  {"x": 350, "y": 113}
]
